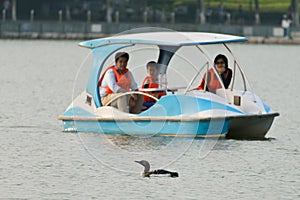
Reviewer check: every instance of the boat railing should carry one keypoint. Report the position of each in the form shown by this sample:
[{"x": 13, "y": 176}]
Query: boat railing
[
  {"x": 209, "y": 60},
  {"x": 207, "y": 65},
  {"x": 245, "y": 81},
  {"x": 195, "y": 76},
  {"x": 168, "y": 89},
  {"x": 236, "y": 65},
  {"x": 130, "y": 93}
]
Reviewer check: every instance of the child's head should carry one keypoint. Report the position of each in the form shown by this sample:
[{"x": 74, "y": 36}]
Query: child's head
[{"x": 152, "y": 68}]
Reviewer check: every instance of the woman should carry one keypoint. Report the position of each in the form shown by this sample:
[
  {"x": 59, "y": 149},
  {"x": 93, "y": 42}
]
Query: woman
[
  {"x": 221, "y": 65},
  {"x": 116, "y": 80}
]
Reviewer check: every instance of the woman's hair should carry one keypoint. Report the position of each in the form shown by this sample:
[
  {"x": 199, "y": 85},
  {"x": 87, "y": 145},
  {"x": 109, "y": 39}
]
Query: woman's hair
[
  {"x": 121, "y": 54},
  {"x": 224, "y": 58}
]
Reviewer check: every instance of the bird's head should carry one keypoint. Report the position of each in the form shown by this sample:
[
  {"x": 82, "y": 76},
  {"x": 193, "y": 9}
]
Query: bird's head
[{"x": 145, "y": 163}]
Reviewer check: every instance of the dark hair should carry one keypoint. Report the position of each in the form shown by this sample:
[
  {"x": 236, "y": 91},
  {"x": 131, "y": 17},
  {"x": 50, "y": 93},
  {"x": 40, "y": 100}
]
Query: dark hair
[
  {"x": 121, "y": 54},
  {"x": 224, "y": 58},
  {"x": 151, "y": 64}
]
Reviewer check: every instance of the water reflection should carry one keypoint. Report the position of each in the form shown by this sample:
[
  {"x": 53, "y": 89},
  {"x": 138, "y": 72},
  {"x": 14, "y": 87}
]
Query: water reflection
[
  {"x": 132, "y": 143},
  {"x": 139, "y": 143},
  {"x": 108, "y": 149}
]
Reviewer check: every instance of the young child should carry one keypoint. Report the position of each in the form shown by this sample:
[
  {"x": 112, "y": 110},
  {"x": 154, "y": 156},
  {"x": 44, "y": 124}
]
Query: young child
[{"x": 151, "y": 81}]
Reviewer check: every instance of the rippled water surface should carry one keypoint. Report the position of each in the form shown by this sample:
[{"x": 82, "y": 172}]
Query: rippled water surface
[{"x": 39, "y": 161}]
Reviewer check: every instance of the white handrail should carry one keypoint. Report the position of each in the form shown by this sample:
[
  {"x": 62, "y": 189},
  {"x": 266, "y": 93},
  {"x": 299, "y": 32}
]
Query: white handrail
[
  {"x": 245, "y": 81},
  {"x": 129, "y": 93},
  {"x": 193, "y": 79}
]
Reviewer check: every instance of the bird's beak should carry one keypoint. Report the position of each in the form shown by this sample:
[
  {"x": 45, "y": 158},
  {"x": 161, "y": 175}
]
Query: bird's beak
[{"x": 137, "y": 161}]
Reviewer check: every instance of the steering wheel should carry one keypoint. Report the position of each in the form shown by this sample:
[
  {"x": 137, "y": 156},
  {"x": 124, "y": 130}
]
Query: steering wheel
[{"x": 129, "y": 93}]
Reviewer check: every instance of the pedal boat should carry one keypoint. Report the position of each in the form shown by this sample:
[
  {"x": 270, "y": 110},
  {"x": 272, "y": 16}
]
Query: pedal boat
[{"x": 236, "y": 112}]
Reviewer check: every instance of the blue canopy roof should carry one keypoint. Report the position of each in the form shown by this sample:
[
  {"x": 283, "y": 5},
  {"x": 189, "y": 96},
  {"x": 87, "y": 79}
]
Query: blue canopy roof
[{"x": 164, "y": 39}]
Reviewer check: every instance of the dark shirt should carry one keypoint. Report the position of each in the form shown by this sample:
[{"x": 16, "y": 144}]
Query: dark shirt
[{"x": 226, "y": 80}]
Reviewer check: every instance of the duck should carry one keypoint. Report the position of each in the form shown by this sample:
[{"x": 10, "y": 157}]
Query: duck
[{"x": 158, "y": 172}]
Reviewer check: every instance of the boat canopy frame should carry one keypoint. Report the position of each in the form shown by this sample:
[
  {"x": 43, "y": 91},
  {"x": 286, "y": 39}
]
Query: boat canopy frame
[{"x": 103, "y": 48}]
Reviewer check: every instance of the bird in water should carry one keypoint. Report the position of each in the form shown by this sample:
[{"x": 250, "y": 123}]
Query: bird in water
[{"x": 158, "y": 172}]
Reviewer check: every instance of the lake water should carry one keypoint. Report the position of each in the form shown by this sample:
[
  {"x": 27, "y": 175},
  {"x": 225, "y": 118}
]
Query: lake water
[{"x": 39, "y": 161}]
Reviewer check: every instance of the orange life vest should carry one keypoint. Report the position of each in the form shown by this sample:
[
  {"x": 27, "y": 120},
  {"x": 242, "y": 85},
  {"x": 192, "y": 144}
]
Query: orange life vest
[
  {"x": 152, "y": 84},
  {"x": 213, "y": 83},
  {"x": 122, "y": 80}
]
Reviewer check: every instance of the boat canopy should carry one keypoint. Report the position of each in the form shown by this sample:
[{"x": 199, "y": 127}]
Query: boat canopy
[
  {"x": 168, "y": 43},
  {"x": 164, "y": 39}
]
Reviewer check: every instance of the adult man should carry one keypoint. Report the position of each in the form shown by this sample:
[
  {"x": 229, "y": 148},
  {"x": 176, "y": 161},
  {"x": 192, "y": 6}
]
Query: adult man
[{"x": 116, "y": 80}]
